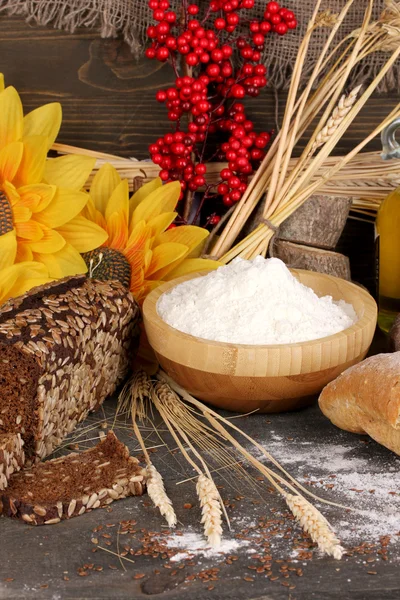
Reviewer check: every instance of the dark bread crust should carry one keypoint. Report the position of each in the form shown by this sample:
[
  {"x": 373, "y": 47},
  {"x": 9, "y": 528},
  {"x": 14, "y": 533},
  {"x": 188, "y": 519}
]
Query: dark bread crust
[
  {"x": 26, "y": 497},
  {"x": 69, "y": 344}
]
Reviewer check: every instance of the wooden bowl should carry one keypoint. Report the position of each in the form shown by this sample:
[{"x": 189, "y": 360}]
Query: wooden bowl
[{"x": 271, "y": 378}]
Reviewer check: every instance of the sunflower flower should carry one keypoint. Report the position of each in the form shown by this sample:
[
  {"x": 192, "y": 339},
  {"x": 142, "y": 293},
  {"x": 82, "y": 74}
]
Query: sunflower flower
[
  {"x": 41, "y": 199},
  {"x": 140, "y": 246}
]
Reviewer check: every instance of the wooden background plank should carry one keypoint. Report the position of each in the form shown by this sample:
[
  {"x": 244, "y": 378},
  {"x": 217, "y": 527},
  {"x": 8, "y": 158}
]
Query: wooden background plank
[{"x": 108, "y": 98}]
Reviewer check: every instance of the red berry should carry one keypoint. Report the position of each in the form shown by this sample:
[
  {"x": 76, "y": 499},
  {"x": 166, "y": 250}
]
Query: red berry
[
  {"x": 162, "y": 54},
  {"x": 265, "y": 27},
  {"x": 273, "y": 7},
  {"x": 258, "y": 39},
  {"x": 292, "y": 24},
  {"x": 227, "y": 200},
  {"x": 238, "y": 91},
  {"x": 213, "y": 70},
  {"x": 226, "y": 173},
  {"x": 199, "y": 180},
  {"x": 227, "y": 51},
  {"x": 234, "y": 182},
  {"x": 222, "y": 189},
  {"x": 247, "y": 3},
  {"x": 275, "y": 19},
  {"x": 150, "y": 53},
  {"x": 214, "y": 220},
  {"x": 193, "y": 9},
  {"x": 161, "y": 96},
  {"x": 281, "y": 28},
  {"x": 220, "y": 23},
  {"x": 235, "y": 195},
  {"x": 191, "y": 59},
  {"x": 164, "y": 175},
  {"x": 200, "y": 169},
  {"x": 232, "y": 19}
]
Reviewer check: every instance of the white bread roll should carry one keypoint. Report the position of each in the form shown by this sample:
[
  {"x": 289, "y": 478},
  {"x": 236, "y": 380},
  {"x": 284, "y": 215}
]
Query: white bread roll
[{"x": 366, "y": 399}]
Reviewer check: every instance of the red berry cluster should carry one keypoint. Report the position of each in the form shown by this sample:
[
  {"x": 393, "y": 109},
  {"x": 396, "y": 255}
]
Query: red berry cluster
[
  {"x": 243, "y": 150},
  {"x": 204, "y": 41}
]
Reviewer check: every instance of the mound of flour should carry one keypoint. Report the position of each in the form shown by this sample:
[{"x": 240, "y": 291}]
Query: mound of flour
[{"x": 253, "y": 302}]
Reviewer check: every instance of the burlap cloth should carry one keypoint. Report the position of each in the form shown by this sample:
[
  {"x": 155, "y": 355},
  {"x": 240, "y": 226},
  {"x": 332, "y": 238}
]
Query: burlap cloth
[{"x": 130, "y": 18}]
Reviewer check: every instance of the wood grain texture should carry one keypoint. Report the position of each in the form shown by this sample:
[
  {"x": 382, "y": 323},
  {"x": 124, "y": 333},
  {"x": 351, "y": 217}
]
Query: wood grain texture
[
  {"x": 108, "y": 98},
  {"x": 269, "y": 378}
]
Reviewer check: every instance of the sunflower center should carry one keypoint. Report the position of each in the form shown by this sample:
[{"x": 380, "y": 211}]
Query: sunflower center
[
  {"x": 6, "y": 216},
  {"x": 108, "y": 264}
]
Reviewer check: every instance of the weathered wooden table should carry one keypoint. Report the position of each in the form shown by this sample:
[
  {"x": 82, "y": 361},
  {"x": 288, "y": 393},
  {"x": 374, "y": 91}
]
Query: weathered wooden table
[{"x": 265, "y": 556}]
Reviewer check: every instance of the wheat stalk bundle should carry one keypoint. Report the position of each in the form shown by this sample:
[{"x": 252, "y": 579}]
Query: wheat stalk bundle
[
  {"x": 187, "y": 429},
  {"x": 285, "y": 186}
]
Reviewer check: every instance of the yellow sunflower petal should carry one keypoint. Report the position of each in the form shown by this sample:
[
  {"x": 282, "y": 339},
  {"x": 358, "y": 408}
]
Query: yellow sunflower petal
[
  {"x": 142, "y": 193},
  {"x": 21, "y": 214},
  {"x": 192, "y": 265},
  {"x": 19, "y": 278},
  {"x": 44, "y": 121},
  {"x": 190, "y": 235},
  {"x": 30, "y": 231},
  {"x": 24, "y": 252},
  {"x": 36, "y": 197},
  {"x": 163, "y": 199},
  {"x": 90, "y": 212},
  {"x": 10, "y": 159},
  {"x": 65, "y": 205},
  {"x": 119, "y": 201},
  {"x": 82, "y": 234},
  {"x": 104, "y": 183},
  {"x": 71, "y": 172},
  {"x": 1, "y": 82},
  {"x": 33, "y": 161},
  {"x": 11, "y": 116},
  {"x": 117, "y": 232},
  {"x": 160, "y": 223},
  {"x": 137, "y": 245},
  {"x": 64, "y": 263},
  {"x": 8, "y": 249},
  {"x": 163, "y": 257},
  {"x": 11, "y": 192},
  {"x": 51, "y": 242}
]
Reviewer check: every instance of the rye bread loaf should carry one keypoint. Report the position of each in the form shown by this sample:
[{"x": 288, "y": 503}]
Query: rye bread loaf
[
  {"x": 69, "y": 486},
  {"x": 366, "y": 399},
  {"x": 64, "y": 347},
  {"x": 12, "y": 457}
]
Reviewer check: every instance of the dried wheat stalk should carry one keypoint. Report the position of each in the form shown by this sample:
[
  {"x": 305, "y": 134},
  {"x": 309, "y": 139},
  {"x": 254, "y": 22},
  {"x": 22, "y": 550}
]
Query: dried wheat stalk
[
  {"x": 341, "y": 110},
  {"x": 135, "y": 396},
  {"x": 157, "y": 493},
  {"x": 315, "y": 525},
  {"x": 210, "y": 510}
]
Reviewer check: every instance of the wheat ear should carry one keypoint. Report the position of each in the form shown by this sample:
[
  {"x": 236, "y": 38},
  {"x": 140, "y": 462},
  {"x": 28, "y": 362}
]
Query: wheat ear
[
  {"x": 339, "y": 113},
  {"x": 156, "y": 491},
  {"x": 210, "y": 510},
  {"x": 313, "y": 523}
]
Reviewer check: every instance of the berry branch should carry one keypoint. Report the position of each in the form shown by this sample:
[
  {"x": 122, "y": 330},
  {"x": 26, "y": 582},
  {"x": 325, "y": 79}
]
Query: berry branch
[{"x": 208, "y": 91}]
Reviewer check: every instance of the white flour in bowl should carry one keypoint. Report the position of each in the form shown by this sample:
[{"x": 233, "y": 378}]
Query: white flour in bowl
[{"x": 253, "y": 302}]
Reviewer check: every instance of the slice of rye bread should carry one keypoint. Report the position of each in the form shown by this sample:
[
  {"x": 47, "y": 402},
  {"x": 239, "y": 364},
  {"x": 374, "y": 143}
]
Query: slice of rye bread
[
  {"x": 64, "y": 347},
  {"x": 71, "y": 485},
  {"x": 12, "y": 457}
]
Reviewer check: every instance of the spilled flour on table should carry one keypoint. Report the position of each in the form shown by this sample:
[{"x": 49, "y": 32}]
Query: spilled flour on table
[
  {"x": 193, "y": 544},
  {"x": 335, "y": 473}
]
